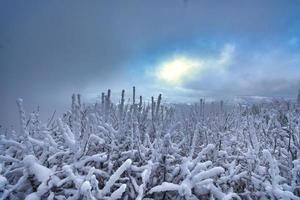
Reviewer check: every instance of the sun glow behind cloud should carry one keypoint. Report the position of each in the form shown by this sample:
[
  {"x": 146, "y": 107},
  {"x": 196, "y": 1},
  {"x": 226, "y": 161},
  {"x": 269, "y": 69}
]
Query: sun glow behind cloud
[
  {"x": 180, "y": 68},
  {"x": 175, "y": 70}
]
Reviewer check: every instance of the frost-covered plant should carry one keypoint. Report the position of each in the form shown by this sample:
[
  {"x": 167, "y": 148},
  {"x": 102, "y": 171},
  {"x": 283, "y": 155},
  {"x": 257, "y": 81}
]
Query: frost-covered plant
[
  {"x": 153, "y": 150},
  {"x": 298, "y": 99}
]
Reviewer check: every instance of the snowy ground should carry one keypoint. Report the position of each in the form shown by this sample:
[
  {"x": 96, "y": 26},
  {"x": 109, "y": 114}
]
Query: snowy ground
[{"x": 154, "y": 151}]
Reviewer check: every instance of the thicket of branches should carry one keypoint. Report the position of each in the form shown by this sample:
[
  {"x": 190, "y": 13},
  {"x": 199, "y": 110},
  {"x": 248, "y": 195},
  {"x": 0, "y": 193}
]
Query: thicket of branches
[{"x": 141, "y": 150}]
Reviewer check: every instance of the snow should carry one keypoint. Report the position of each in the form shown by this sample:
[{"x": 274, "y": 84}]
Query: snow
[
  {"x": 116, "y": 176},
  {"x": 33, "y": 196},
  {"x": 86, "y": 186},
  {"x": 41, "y": 173},
  {"x": 3, "y": 182},
  {"x": 165, "y": 187},
  {"x": 208, "y": 174},
  {"x": 118, "y": 193}
]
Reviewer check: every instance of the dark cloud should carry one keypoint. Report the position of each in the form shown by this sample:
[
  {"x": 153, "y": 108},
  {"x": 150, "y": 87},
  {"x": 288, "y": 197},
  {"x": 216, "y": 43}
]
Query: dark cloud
[
  {"x": 271, "y": 73},
  {"x": 51, "y": 49}
]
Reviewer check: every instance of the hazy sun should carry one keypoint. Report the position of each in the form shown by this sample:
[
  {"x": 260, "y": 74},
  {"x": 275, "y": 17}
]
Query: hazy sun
[{"x": 175, "y": 70}]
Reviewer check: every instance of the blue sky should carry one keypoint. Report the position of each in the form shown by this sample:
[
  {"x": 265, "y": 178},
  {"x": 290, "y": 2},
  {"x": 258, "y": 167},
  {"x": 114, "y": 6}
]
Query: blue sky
[{"x": 185, "y": 49}]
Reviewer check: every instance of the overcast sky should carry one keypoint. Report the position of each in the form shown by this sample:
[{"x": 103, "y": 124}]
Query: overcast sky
[{"x": 183, "y": 48}]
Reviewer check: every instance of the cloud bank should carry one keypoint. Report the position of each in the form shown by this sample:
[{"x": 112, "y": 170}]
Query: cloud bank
[
  {"x": 51, "y": 49},
  {"x": 233, "y": 71}
]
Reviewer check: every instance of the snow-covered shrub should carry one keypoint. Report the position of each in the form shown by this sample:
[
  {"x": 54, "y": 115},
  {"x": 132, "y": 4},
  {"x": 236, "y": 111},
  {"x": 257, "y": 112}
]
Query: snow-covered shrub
[{"x": 140, "y": 150}]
